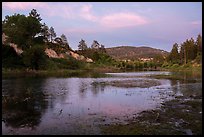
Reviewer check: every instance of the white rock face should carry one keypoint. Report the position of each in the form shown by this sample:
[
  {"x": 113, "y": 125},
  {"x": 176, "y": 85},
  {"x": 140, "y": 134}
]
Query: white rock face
[
  {"x": 50, "y": 52},
  {"x": 80, "y": 57},
  {"x": 89, "y": 60},
  {"x": 18, "y": 50}
]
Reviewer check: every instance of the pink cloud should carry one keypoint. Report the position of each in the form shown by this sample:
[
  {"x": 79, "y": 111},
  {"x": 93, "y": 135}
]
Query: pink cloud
[
  {"x": 114, "y": 20},
  {"x": 59, "y": 10},
  {"x": 87, "y": 14},
  {"x": 120, "y": 20},
  {"x": 80, "y": 12},
  {"x": 47, "y": 9},
  {"x": 23, "y": 5}
]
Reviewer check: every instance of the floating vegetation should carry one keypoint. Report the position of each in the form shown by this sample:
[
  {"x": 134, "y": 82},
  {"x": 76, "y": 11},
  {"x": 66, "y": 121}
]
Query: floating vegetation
[{"x": 130, "y": 83}]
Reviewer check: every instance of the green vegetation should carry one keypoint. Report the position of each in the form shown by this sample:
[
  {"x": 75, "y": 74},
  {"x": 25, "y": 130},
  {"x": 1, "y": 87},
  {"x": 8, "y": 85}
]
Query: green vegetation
[
  {"x": 10, "y": 59},
  {"x": 189, "y": 52},
  {"x": 33, "y": 37}
]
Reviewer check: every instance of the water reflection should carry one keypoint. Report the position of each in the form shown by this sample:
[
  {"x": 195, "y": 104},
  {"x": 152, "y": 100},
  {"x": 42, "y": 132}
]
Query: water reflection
[
  {"x": 22, "y": 105},
  {"x": 49, "y": 105},
  {"x": 187, "y": 83}
]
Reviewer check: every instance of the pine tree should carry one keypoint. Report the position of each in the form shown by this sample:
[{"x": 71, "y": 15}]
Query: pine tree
[
  {"x": 174, "y": 55},
  {"x": 82, "y": 45},
  {"x": 34, "y": 14},
  {"x": 95, "y": 45},
  {"x": 199, "y": 43},
  {"x": 45, "y": 32},
  {"x": 52, "y": 34},
  {"x": 64, "y": 40}
]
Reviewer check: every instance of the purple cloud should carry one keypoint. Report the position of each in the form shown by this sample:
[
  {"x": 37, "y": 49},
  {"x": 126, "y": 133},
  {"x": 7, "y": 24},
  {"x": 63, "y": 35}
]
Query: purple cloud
[{"x": 117, "y": 23}]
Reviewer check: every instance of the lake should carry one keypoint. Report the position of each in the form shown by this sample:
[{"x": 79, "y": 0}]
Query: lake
[{"x": 74, "y": 105}]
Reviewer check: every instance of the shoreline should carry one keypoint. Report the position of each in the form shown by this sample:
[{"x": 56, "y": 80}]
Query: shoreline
[{"x": 78, "y": 72}]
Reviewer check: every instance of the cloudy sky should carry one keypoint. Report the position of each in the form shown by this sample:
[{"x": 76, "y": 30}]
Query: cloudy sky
[{"x": 154, "y": 24}]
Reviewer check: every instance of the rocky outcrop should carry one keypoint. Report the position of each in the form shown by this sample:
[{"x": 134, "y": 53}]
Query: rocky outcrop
[
  {"x": 80, "y": 57},
  {"x": 4, "y": 41},
  {"x": 50, "y": 52},
  {"x": 18, "y": 50},
  {"x": 89, "y": 60}
]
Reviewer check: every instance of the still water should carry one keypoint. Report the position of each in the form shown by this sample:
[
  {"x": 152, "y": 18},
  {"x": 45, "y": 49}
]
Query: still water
[{"x": 34, "y": 105}]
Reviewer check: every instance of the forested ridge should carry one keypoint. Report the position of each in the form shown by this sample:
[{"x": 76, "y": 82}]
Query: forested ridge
[{"x": 33, "y": 37}]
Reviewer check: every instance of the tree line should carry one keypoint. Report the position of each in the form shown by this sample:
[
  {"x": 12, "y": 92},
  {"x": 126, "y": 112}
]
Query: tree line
[
  {"x": 186, "y": 52},
  {"x": 95, "y": 45},
  {"x": 32, "y": 36},
  {"x": 25, "y": 31}
]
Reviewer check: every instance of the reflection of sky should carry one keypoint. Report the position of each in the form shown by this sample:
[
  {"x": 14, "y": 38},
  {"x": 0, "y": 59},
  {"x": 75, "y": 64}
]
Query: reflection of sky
[
  {"x": 72, "y": 101},
  {"x": 82, "y": 97}
]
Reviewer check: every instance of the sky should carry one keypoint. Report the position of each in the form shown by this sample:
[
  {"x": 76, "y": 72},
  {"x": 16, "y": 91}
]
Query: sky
[{"x": 154, "y": 24}]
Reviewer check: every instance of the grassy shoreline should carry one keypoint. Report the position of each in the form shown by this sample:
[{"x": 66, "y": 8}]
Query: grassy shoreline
[
  {"x": 51, "y": 73},
  {"x": 93, "y": 69}
]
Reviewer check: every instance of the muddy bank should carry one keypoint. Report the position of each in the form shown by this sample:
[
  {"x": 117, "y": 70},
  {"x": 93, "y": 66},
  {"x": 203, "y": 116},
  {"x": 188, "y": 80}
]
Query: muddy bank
[
  {"x": 181, "y": 116},
  {"x": 130, "y": 83}
]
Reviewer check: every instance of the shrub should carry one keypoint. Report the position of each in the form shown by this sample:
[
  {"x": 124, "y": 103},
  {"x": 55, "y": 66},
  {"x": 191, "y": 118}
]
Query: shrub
[
  {"x": 10, "y": 59},
  {"x": 35, "y": 57},
  {"x": 175, "y": 66}
]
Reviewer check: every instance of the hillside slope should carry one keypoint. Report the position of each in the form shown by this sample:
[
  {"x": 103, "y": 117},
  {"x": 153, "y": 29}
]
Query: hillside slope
[
  {"x": 133, "y": 53},
  {"x": 52, "y": 50}
]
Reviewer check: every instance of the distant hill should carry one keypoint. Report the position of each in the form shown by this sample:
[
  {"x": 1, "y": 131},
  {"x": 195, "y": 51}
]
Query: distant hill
[{"x": 132, "y": 53}]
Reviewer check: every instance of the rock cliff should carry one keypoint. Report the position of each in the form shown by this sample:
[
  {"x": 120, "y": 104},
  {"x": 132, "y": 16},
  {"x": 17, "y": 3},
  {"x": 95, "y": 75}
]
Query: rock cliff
[{"x": 50, "y": 52}]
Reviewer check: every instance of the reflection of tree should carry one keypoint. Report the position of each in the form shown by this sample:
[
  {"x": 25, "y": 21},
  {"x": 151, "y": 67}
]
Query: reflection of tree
[
  {"x": 82, "y": 90},
  {"x": 102, "y": 87},
  {"x": 23, "y": 105},
  {"x": 187, "y": 76},
  {"x": 176, "y": 86},
  {"x": 183, "y": 83},
  {"x": 97, "y": 87}
]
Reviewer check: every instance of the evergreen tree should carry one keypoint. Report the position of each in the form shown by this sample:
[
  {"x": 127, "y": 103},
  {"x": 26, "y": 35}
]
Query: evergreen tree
[
  {"x": 52, "y": 34},
  {"x": 34, "y": 14},
  {"x": 82, "y": 45},
  {"x": 174, "y": 55},
  {"x": 95, "y": 45},
  {"x": 199, "y": 49},
  {"x": 192, "y": 49},
  {"x": 45, "y": 32},
  {"x": 182, "y": 54},
  {"x": 21, "y": 30},
  {"x": 64, "y": 40},
  {"x": 199, "y": 43}
]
